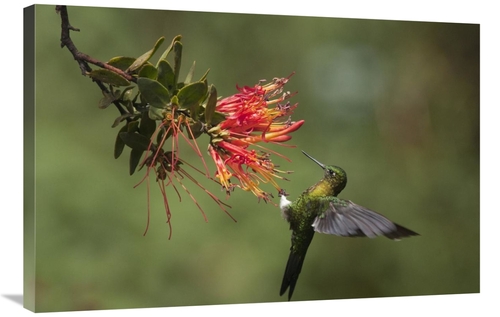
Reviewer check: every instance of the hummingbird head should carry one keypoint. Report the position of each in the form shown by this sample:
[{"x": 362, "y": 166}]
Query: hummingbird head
[{"x": 334, "y": 176}]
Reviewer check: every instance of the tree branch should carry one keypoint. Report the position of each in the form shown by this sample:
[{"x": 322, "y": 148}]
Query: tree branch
[{"x": 83, "y": 59}]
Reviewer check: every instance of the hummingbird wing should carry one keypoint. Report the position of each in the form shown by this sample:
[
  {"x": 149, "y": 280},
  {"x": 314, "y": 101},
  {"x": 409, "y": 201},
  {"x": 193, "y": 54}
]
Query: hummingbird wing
[{"x": 347, "y": 219}]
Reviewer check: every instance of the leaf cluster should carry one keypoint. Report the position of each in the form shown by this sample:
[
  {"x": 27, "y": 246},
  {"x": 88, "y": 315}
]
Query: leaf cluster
[{"x": 155, "y": 97}]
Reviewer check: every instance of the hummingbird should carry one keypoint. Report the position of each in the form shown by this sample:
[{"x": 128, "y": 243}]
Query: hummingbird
[{"x": 318, "y": 209}]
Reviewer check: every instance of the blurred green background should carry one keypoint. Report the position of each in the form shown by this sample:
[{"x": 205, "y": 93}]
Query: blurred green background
[{"x": 395, "y": 103}]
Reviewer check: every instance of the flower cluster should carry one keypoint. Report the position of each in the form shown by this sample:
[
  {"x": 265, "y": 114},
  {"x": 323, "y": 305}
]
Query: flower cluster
[
  {"x": 254, "y": 115},
  {"x": 164, "y": 112}
]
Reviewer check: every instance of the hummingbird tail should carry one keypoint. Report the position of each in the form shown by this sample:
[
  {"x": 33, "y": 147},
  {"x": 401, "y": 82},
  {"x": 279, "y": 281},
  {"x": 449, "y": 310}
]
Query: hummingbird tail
[{"x": 292, "y": 271}]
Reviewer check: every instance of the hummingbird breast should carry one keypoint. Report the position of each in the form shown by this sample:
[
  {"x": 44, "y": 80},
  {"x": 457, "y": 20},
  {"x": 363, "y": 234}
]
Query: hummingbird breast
[
  {"x": 302, "y": 212},
  {"x": 321, "y": 189}
]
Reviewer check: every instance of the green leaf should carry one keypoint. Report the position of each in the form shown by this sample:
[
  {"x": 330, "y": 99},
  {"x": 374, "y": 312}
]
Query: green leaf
[
  {"x": 135, "y": 140},
  {"x": 169, "y": 48},
  {"x": 190, "y": 74},
  {"x": 129, "y": 127},
  {"x": 155, "y": 93},
  {"x": 204, "y": 77},
  {"x": 174, "y": 101},
  {"x": 148, "y": 71},
  {"x": 121, "y": 118},
  {"x": 195, "y": 129},
  {"x": 141, "y": 60},
  {"x": 135, "y": 158},
  {"x": 133, "y": 126},
  {"x": 166, "y": 75},
  {"x": 119, "y": 144},
  {"x": 211, "y": 103},
  {"x": 147, "y": 126},
  {"x": 177, "y": 60},
  {"x": 129, "y": 104},
  {"x": 108, "y": 77},
  {"x": 121, "y": 62},
  {"x": 191, "y": 95},
  {"x": 161, "y": 137},
  {"x": 155, "y": 113},
  {"x": 217, "y": 118},
  {"x": 108, "y": 98},
  {"x": 127, "y": 93}
]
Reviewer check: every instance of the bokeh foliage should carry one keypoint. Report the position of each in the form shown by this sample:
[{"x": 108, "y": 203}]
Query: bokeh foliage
[{"x": 395, "y": 103}]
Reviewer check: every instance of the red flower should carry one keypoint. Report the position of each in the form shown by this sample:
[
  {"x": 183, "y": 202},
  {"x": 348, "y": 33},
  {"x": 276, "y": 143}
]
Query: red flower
[
  {"x": 258, "y": 114},
  {"x": 249, "y": 119}
]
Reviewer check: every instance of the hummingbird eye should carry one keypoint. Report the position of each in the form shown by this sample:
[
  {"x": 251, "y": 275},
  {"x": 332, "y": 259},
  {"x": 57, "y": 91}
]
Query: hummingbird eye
[{"x": 331, "y": 172}]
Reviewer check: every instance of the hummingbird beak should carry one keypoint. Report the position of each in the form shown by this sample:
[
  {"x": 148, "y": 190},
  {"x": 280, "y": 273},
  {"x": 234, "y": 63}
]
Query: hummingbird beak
[{"x": 315, "y": 160}]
